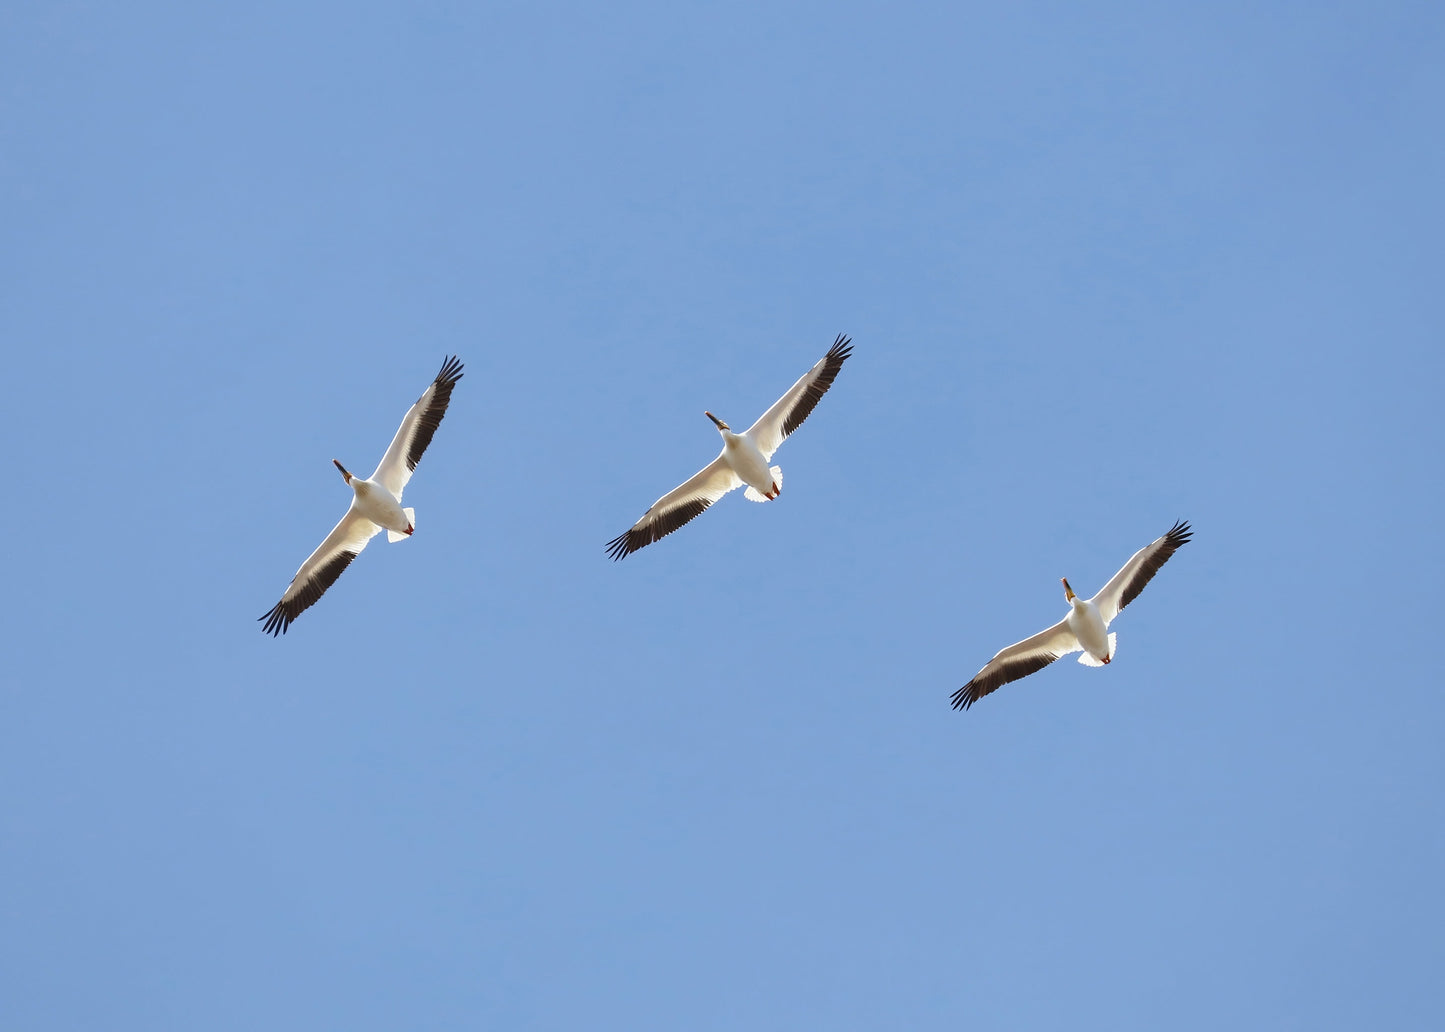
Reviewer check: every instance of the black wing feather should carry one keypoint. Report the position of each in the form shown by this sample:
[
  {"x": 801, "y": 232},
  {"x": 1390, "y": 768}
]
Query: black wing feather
[
  {"x": 279, "y": 618},
  {"x": 1178, "y": 535},
  {"x": 431, "y": 417},
  {"x": 981, "y": 686},
  {"x": 645, "y": 533},
  {"x": 833, "y": 361}
]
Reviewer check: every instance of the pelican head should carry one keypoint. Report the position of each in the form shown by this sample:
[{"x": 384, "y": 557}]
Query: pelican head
[
  {"x": 344, "y": 473},
  {"x": 720, "y": 424},
  {"x": 1069, "y": 595}
]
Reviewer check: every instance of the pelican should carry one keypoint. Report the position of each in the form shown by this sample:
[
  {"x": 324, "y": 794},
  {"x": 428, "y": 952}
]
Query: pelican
[
  {"x": 375, "y": 504},
  {"x": 743, "y": 459},
  {"x": 1085, "y": 629}
]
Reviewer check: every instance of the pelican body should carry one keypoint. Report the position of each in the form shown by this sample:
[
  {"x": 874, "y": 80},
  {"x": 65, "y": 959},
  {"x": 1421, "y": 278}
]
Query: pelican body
[
  {"x": 1086, "y": 627},
  {"x": 743, "y": 461},
  {"x": 375, "y": 504},
  {"x": 741, "y": 452}
]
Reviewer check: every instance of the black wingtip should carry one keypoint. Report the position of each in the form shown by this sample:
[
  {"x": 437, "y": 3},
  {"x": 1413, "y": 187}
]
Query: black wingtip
[
  {"x": 451, "y": 371},
  {"x": 620, "y": 547},
  {"x": 277, "y": 620},
  {"x": 1181, "y": 533},
  {"x": 964, "y": 698}
]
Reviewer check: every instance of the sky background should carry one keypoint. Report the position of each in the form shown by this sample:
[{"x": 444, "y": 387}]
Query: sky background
[{"x": 1104, "y": 267}]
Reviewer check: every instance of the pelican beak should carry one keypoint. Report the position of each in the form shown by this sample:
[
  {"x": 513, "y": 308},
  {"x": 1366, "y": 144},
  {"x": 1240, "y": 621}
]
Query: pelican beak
[
  {"x": 344, "y": 474},
  {"x": 720, "y": 424},
  {"x": 1068, "y": 591}
]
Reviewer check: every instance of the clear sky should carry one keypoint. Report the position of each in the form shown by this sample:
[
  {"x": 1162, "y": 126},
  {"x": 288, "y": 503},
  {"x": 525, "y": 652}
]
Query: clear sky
[{"x": 1105, "y": 266}]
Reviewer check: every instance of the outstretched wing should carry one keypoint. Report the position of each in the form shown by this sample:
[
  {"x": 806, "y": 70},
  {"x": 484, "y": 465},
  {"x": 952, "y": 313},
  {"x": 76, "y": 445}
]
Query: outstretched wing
[
  {"x": 1124, "y": 586},
  {"x": 416, "y": 430},
  {"x": 789, "y": 411},
  {"x": 320, "y": 571},
  {"x": 1018, "y": 660},
  {"x": 680, "y": 505}
]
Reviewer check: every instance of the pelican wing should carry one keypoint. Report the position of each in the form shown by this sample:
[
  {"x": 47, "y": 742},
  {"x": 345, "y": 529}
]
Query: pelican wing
[
  {"x": 678, "y": 506},
  {"x": 320, "y": 571},
  {"x": 416, "y": 430},
  {"x": 1019, "y": 660},
  {"x": 789, "y": 411},
  {"x": 1124, "y": 586}
]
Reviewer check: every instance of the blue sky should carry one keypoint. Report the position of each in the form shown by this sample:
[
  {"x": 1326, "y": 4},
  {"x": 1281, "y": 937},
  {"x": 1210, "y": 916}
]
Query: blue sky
[{"x": 1104, "y": 267}]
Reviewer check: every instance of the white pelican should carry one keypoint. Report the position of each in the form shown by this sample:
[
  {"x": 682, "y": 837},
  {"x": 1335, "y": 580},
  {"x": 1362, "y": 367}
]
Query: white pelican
[
  {"x": 1085, "y": 629},
  {"x": 375, "y": 504},
  {"x": 743, "y": 460}
]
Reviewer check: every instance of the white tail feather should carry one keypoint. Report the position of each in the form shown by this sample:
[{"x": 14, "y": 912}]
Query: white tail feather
[
  {"x": 753, "y": 495},
  {"x": 1089, "y": 660},
  {"x": 393, "y": 536}
]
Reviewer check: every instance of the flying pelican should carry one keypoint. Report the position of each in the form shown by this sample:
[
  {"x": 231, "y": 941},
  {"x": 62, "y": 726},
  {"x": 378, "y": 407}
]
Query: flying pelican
[
  {"x": 1084, "y": 629},
  {"x": 375, "y": 504},
  {"x": 743, "y": 460}
]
